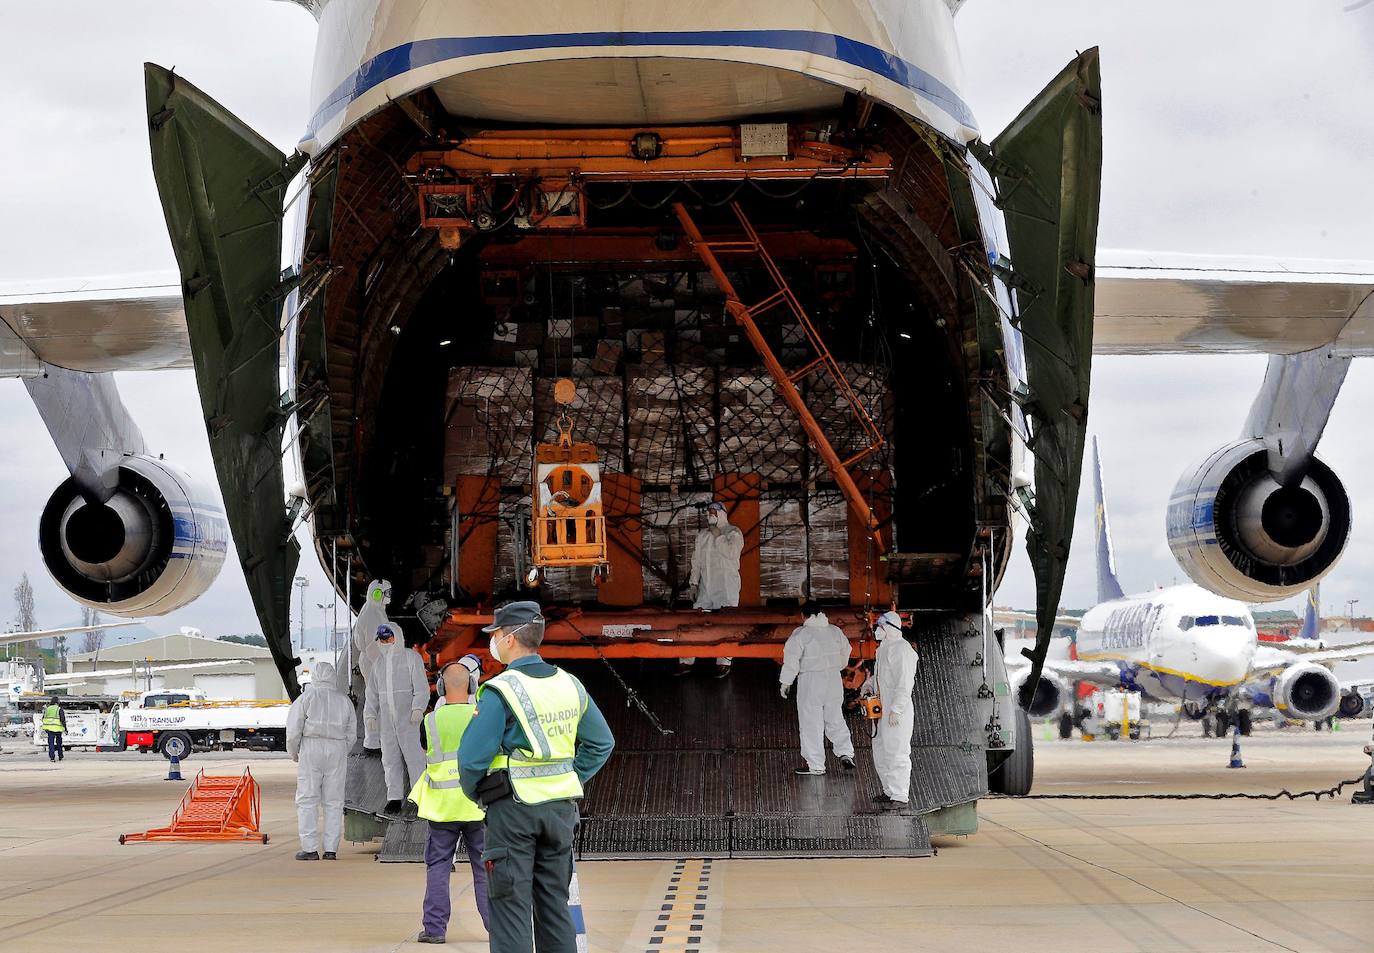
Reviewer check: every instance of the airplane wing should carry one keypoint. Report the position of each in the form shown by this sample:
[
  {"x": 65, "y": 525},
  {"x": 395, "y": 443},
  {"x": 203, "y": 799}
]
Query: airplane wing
[
  {"x": 1003, "y": 616},
  {"x": 131, "y": 323},
  {"x": 1075, "y": 670},
  {"x": 14, "y": 638},
  {"x": 1160, "y": 303},
  {"x": 1146, "y": 303},
  {"x": 1269, "y": 658}
]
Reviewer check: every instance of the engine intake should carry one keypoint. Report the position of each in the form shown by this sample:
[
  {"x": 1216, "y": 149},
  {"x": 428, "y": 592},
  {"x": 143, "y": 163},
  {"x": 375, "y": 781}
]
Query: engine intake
[
  {"x": 1307, "y": 690},
  {"x": 1049, "y": 697},
  {"x": 1236, "y": 531},
  {"x": 155, "y": 545}
]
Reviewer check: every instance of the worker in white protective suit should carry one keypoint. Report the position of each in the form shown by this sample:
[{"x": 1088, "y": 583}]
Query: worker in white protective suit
[
  {"x": 813, "y": 657},
  {"x": 894, "y": 672},
  {"x": 371, "y": 615},
  {"x": 320, "y": 728},
  {"x": 715, "y": 572},
  {"x": 397, "y": 696}
]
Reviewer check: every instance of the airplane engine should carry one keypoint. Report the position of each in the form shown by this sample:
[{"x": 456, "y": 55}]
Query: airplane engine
[
  {"x": 1307, "y": 690},
  {"x": 1050, "y": 695},
  {"x": 156, "y": 544},
  {"x": 1237, "y": 532}
]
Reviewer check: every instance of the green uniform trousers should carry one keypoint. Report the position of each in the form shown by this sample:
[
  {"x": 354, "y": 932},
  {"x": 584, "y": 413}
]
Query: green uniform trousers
[{"x": 528, "y": 857}]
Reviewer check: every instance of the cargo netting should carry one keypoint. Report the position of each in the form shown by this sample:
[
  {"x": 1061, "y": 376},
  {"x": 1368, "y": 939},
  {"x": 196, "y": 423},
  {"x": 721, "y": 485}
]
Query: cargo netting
[{"x": 666, "y": 393}]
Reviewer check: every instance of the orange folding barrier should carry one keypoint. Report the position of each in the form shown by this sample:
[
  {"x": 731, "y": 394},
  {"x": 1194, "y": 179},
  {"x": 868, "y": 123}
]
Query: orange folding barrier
[{"x": 215, "y": 807}]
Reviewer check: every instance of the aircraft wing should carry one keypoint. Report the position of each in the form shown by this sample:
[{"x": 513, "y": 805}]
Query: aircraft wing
[
  {"x": 1270, "y": 659},
  {"x": 130, "y": 323},
  {"x": 1159, "y": 303},
  {"x": 14, "y": 638},
  {"x": 1145, "y": 303},
  {"x": 1003, "y": 616},
  {"x": 1075, "y": 670}
]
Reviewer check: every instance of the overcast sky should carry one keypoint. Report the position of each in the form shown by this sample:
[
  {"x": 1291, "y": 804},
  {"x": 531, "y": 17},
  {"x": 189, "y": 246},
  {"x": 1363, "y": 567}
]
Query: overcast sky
[{"x": 1231, "y": 127}]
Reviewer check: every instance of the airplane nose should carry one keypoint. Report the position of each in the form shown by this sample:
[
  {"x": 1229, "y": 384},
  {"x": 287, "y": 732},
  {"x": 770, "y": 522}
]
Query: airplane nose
[{"x": 1224, "y": 659}]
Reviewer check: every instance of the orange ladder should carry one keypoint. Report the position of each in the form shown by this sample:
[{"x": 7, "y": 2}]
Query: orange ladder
[
  {"x": 787, "y": 382},
  {"x": 215, "y": 807}
]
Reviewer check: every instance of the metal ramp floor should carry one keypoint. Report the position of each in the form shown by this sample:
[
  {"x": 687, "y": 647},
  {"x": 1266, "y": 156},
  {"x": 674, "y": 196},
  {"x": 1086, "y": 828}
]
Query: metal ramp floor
[{"x": 723, "y": 786}]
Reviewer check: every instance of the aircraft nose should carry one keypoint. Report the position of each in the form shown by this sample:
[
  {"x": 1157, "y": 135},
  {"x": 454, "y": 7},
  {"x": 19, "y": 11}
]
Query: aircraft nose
[{"x": 1224, "y": 659}]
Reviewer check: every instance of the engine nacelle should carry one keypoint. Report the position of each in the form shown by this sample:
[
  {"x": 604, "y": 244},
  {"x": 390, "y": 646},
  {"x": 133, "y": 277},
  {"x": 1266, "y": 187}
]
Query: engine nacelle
[
  {"x": 1235, "y": 531},
  {"x": 1306, "y": 690},
  {"x": 1050, "y": 695},
  {"x": 154, "y": 546}
]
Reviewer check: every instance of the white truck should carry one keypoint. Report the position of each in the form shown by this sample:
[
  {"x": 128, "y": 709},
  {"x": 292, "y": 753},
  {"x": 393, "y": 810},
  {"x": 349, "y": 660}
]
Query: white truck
[{"x": 179, "y": 721}]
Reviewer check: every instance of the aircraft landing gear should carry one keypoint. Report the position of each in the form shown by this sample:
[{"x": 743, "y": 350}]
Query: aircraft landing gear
[{"x": 1065, "y": 726}]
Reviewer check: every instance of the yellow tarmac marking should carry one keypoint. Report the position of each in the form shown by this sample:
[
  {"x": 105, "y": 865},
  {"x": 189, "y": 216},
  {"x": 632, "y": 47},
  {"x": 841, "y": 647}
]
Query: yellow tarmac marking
[{"x": 681, "y": 922}]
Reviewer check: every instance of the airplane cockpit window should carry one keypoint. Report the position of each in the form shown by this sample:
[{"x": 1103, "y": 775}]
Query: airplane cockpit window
[
  {"x": 1209, "y": 620},
  {"x": 1233, "y": 620},
  {"x": 1186, "y": 623}
]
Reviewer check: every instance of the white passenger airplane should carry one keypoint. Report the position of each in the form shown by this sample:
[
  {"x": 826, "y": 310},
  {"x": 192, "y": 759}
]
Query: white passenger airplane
[{"x": 1187, "y": 645}]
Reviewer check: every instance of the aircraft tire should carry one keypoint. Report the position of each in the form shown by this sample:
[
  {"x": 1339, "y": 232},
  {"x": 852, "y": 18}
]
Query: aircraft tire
[
  {"x": 1065, "y": 726},
  {"x": 1245, "y": 721},
  {"x": 1209, "y": 725},
  {"x": 1223, "y": 724},
  {"x": 1016, "y": 774}
]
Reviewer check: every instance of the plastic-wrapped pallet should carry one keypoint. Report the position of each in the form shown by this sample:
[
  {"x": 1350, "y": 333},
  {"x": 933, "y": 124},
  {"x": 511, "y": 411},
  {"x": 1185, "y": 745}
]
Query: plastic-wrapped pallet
[
  {"x": 837, "y": 418},
  {"x": 827, "y": 545},
  {"x": 489, "y": 417},
  {"x": 782, "y": 546},
  {"x": 759, "y": 433},
  {"x": 671, "y": 522},
  {"x": 671, "y": 425}
]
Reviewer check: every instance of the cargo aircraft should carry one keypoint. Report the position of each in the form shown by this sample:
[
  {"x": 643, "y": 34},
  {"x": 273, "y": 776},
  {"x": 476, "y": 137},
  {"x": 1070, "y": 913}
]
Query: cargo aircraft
[{"x": 562, "y": 275}]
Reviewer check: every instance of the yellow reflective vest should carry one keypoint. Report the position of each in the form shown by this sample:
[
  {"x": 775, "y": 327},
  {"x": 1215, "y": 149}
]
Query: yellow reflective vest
[
  {"x": 439, "y": 794},
  {"x": 52, "y": 718},
  {"x": 548, "y": 711}
]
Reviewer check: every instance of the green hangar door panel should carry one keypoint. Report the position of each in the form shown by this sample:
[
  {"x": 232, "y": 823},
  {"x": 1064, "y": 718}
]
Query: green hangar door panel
[
  {"x": 1047, "y": 166},
  {"x": 222, "y": 188}
]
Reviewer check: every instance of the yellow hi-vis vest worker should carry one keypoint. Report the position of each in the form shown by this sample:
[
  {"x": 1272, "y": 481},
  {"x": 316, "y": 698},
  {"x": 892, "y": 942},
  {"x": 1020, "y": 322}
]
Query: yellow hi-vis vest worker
[
  {"x": 548, "y": 711},
  {"x": 438, "y": 794},
  {"x": 52, "y": 718}
]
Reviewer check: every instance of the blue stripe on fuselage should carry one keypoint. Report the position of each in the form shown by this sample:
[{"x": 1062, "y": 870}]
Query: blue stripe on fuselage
[{"x": 420, "y": 53}]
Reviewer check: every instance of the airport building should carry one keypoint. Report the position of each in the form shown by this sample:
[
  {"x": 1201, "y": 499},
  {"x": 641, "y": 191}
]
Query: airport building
[{"x": 249, "y": 672}]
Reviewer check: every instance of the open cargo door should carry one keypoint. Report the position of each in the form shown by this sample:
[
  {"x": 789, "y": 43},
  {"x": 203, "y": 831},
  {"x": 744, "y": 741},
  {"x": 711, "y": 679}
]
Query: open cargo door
[
  {"x": 1047, "y": 166},
  {"x": 222, "y": 188}
]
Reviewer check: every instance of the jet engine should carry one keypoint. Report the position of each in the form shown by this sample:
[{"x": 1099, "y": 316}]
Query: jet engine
[
  {"x": 155, "y": 545},
  {"x": 1237, "y": 532},
  {"x": 1050, "y": 695},
  {"x": 1307, "y": 690}
]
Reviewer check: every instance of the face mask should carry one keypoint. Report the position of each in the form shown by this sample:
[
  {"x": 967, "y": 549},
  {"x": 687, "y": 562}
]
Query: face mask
[{"x": 495, "y": 648}]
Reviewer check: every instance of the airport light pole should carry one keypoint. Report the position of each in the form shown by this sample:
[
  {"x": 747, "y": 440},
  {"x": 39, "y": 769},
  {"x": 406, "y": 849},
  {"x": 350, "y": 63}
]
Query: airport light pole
[
  {"x": 333, "y": 636},
  {"x": 302, "y": 584},
  {"x": 1350, "y": 611}
]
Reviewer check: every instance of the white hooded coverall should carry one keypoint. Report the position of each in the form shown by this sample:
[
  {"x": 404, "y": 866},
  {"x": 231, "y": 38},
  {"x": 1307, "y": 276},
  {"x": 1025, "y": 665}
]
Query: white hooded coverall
[
  {"x": 397, "y": 696},
  {"x": 715, "y": 564},
  {"x": 370, "y": 616},
  {"x": 895, "y": 672},
  {"x": 320, "y": 728},
  {"x": 814, "y": 655}
]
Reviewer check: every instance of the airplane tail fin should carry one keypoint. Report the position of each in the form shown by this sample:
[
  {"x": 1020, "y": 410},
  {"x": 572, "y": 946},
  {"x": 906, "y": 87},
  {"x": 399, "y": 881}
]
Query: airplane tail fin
[
  {"x": 1311, "y": 619},
  {"x": 1108, "y": 586}
]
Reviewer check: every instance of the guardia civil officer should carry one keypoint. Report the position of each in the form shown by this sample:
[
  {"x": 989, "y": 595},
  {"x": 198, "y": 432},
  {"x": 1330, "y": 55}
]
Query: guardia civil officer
[{"x": 535, "y": 740}]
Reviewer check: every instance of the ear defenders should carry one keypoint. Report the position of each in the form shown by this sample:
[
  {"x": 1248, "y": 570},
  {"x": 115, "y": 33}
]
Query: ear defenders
[{"x": 472, "y": 664}]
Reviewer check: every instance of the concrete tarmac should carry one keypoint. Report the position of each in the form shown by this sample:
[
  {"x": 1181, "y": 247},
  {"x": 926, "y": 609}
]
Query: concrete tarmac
[{"x": 1041, "y": 875}]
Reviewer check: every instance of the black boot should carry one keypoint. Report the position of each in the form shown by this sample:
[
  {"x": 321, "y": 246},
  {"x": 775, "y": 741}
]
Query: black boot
[{"x": 307, "y": 855}]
